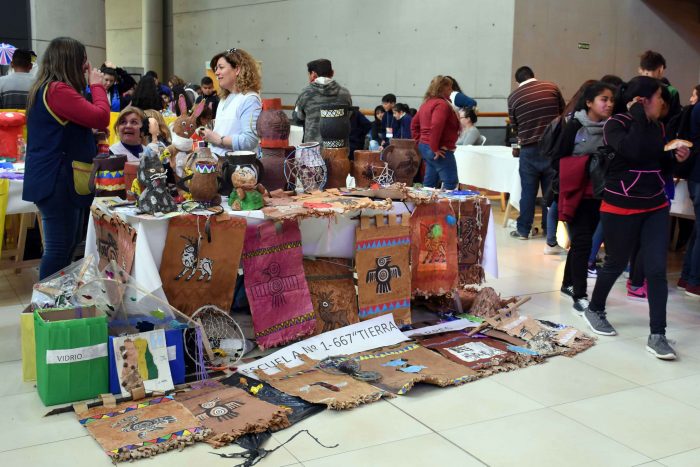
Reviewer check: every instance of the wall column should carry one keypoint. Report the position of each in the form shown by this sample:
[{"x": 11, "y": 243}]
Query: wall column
[{"x": 152, "y": 36}]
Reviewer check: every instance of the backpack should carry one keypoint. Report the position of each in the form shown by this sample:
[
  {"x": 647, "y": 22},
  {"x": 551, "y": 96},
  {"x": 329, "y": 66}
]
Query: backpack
[
  {"x": 550, "y": 138},
  {"x": 598, "y": 164}
]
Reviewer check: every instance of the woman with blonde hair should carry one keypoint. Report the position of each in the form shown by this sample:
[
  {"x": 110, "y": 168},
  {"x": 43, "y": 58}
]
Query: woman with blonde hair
[
  {"x": 128, "y": 127},
  {"x": 61, "y": 146},
  {"x": 436, "y": 128},
  {"x": 240, "y": 106}
]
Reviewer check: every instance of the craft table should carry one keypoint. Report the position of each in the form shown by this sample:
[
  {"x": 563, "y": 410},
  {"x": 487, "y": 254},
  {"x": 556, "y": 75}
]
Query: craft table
[
  {"x": 321, "y": 237},
  {"x": 26, "y": 210}
]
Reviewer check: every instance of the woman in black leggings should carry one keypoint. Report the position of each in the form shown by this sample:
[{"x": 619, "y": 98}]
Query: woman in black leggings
[
  {"x": 635, "y": 207},
  {"x": 582, "y": 135}
]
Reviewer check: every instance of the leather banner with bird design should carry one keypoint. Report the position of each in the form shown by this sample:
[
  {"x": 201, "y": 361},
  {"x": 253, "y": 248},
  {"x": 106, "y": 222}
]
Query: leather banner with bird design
[
  {"x": 382, "y": 249},
  {"x": 275, "y": 284}
]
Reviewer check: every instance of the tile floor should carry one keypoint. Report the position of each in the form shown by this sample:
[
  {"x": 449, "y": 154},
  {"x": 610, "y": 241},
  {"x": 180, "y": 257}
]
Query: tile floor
[{"x": 614, "y": 404}]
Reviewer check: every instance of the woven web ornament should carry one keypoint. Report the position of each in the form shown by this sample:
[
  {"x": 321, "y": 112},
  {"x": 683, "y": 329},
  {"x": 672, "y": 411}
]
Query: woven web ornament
[{"x": 382, "y": 174}]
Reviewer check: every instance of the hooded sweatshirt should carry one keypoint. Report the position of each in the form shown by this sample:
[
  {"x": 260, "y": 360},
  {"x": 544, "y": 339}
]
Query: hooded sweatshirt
[
  {"x": 635, "y": 177},
  {"x": 307, "y": 110}
]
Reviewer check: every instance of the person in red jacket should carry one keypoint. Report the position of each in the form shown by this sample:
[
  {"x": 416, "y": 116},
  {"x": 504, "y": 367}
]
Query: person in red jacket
[{"x": 436, "y": 128}]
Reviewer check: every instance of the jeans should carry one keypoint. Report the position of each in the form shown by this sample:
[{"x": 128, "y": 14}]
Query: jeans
[
  {"x": 534, "y": 171},
  {"x": 622, "y": 233},
  {"x": 444, "y": 169},
  {"x": 552, "y": 224},
  {"x": 62, "y": 222},
  {"x": 374, "y": 145},
  {"x": 691, "y": 260},
  {"x": 581, "y": 230},
  {"x": 597, "y": 241}
]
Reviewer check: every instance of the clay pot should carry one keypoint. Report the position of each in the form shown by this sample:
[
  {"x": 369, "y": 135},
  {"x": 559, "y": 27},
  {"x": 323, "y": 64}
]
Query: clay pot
[
  {"x": 335, "y": 125},
  {"x": 204, "y": 185},
  {"x": 228, "y": 163},
  {"x": 403, "y": 158},
  {"x": 338, "y": 165},
  {"x": 273, "y": 125},
  {"x": 272, "y": 160},
  {"x": 362, "y": 167},
  {"x": 130, "y": 170}
]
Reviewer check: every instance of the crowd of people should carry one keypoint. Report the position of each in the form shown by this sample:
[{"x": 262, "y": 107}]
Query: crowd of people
[
  {"x": 619, "y": 127},
  {"x": 606, "y": 163}
]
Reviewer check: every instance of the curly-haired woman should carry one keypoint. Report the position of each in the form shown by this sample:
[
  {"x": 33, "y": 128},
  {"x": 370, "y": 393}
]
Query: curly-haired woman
[
  {"x": 240, "y": 106},
  {"x": 436, "y": 128}
]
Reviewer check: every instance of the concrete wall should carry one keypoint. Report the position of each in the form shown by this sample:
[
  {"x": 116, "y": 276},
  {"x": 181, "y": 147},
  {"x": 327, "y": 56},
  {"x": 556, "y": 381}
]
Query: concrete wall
[
  {"x": 124, "y": 32},
  {"x": 376, "y": 47},
  {"x": 81, "y": 19},
  {"x": 547, "y": 33}
]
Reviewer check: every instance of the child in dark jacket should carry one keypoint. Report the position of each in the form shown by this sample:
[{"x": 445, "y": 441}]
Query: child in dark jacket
[
  {"x": 376, "y": 135},
  {"x": 403, "y": 119}
]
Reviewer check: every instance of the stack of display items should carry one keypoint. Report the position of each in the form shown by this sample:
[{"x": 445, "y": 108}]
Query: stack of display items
[{"x": 273, "y": 128}]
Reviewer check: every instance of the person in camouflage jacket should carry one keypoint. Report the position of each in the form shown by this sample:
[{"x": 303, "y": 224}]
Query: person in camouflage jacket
[{"x": 322, "y": 89}]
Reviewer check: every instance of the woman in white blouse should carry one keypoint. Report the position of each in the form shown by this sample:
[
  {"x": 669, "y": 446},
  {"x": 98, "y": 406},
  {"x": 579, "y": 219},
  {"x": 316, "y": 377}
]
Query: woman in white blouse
[{"x": 240, "y": 106}]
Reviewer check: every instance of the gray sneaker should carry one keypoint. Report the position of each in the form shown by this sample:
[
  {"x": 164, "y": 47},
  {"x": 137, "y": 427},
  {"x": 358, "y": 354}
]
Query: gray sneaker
[
  {"x": 598, "y": 323},
  {"x": 580, "y": 306},
  {"x": 658, "y": 345}
]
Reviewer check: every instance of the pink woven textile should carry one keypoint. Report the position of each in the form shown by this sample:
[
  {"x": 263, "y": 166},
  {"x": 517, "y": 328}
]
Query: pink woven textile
[{"x": 275, "y": 284}]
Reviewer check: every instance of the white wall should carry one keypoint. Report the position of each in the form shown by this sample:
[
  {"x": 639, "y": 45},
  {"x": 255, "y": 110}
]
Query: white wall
[
  {"x": 124, "y": 32},
  {"x": 547, "y": 33},
  {"x": 83, "y": 20},
  {"x": 376, "y": 46}
]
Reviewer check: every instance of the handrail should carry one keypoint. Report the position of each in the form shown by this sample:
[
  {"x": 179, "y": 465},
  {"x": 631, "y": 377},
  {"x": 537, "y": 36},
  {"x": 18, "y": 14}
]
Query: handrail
[{"x": 370, "y": 112}]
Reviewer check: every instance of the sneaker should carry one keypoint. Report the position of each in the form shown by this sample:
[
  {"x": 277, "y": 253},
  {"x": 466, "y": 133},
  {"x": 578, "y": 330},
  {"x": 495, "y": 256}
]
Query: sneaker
[
  {"x": 518, "y": 235},
  {"x": 660, "y": 348},
  {"x": 592, "y": 273},
  {"x": 639, "y": 294},
  {"x": 692, "y": 291},
  {"x": 682, "y": 284},
  {"x": 598, "y": 323},
  {"x": 554, "y": 250},
  {"x": 568, "y": 290},
  {"x": 581, "y": 305}
]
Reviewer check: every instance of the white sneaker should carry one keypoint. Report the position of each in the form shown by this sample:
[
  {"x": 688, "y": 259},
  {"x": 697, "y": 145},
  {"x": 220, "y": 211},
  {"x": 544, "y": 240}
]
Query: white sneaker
[{"x": 554, "y": 250}]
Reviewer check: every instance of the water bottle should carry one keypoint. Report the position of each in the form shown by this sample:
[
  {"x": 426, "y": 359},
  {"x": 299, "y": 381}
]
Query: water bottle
[
  {"x": 515, "y": 147},
  {"x": 21, "y": 148}
]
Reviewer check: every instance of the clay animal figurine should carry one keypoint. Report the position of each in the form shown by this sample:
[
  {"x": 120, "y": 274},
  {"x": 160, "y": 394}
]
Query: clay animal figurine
[
  {"x": 182, "y": 129},
  {"x": 204, "y": 185},
  {"x": 247, "y": 194},
  {"x": 155, "y": 198}
]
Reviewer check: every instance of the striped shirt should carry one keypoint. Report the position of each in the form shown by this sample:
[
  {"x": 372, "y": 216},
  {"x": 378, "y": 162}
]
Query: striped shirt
[{"x": 532, "y": 107}]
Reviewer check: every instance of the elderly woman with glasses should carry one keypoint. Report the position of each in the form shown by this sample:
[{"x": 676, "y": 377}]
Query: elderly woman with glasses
[{"x": 240, "y": 105}]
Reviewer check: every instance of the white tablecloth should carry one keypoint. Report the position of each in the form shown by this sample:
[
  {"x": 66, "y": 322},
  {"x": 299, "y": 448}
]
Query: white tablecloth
[
  {"x": 322, "y": 237},
  {"x": 15, "y": 203},
  {"x": 491, "y": 167}
]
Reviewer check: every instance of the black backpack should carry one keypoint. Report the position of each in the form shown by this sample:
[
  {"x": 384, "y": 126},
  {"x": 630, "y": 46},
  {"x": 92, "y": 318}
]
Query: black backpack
[{"x": 550, "y": 138}]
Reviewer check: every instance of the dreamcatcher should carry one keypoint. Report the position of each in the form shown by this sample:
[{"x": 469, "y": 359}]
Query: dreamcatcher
[
  {"x": 306, "y": 171},
  {"x": 382, "y": 174},
  {"x": 222, "y": 340}
]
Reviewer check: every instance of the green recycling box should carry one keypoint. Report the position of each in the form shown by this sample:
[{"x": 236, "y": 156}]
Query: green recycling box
[{"x": 71, "y": 354}]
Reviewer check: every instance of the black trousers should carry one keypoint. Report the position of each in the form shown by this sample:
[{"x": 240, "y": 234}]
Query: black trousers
[
  {"x": 621, "y": 234},
  {"x": 581, "y": 230}
]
